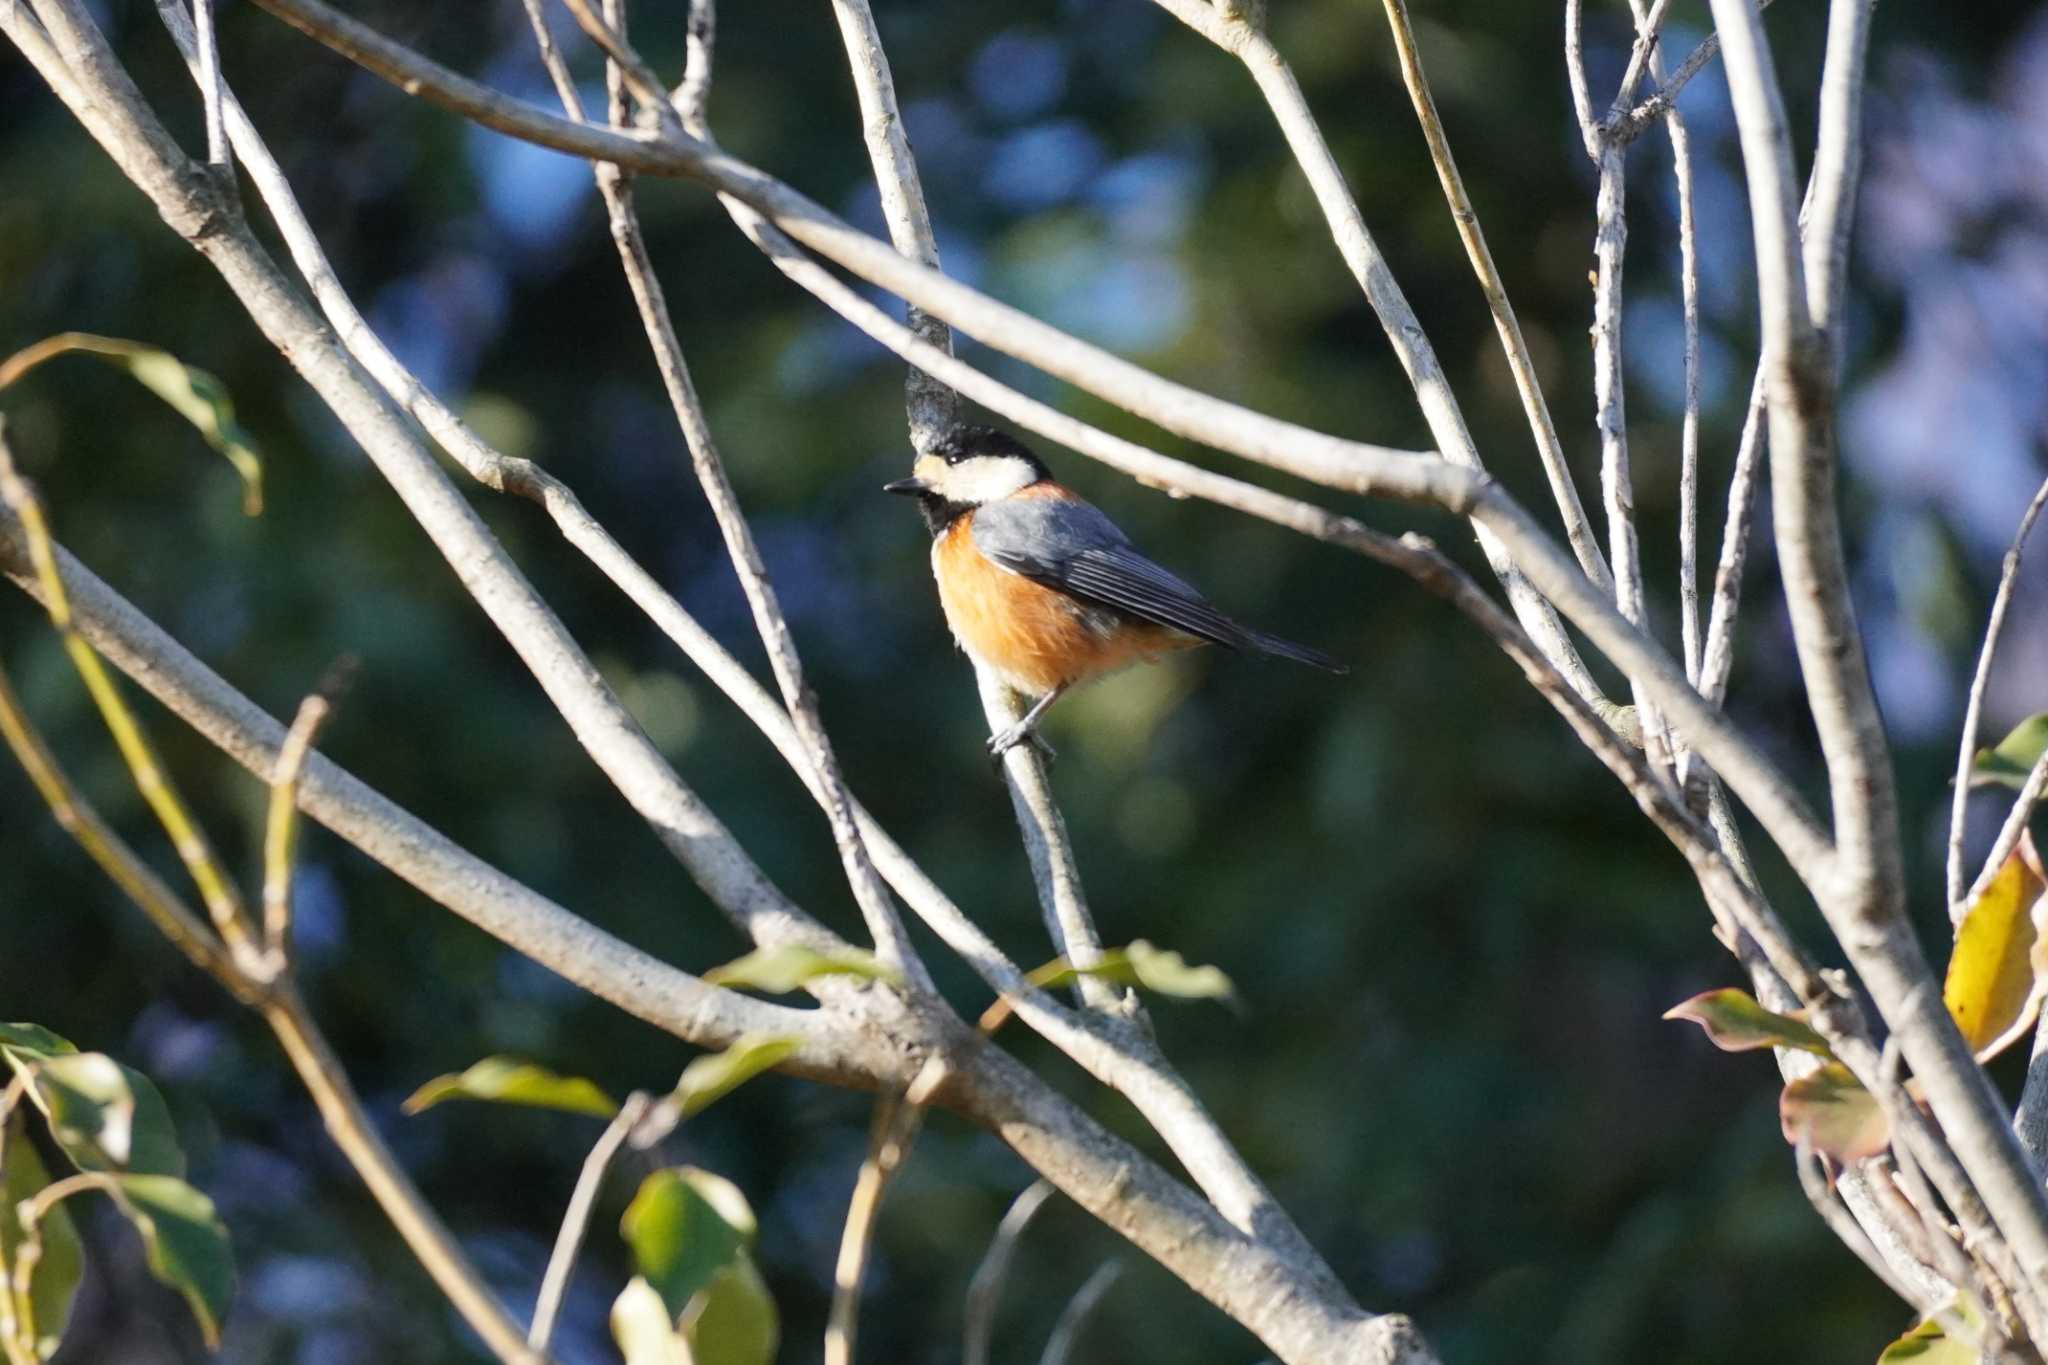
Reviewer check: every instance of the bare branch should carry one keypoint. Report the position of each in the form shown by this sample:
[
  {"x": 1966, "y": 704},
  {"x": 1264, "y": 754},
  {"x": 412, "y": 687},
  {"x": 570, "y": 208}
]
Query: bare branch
[
  {"x": 985, "y": 1290},
  {"x": 1865, "y": 905},
  {"x": 119, "y": 119},
  {"x": 877, "y": 909},
  {"x": 1575, "y": 74},
  {"x": 647, "y": 88},
  {"x": 1237, "y": 31},
  {"x": 1054, "y": 870},
  {"x": 1837, "y": 166},
  {"x": 1341, "y": 463},
  {"x": 1257, "y": 1284},
  {"x": 218, "y": 891},
  {"x": 1067, "y": 1330},
  {"x": 2008, "y": 579},
  {"x": 321, "y": 1073},
  {"x": 210, "y": 83},
  {"x": 1616, "y": 481},
  {"x": 932, "y": 406},
  {"x": 1717, "y": 655},
  {"x": 1637, "y": 121},
  {"x": 2009, "y": 833},
  {"x": 1828, "y": 1204},
  {"x": 554, "y": 1284},
  {"x": 280, "y": 842},
  {"x": 692, "y": 98},
  {"x": 1578, "y": 531},
  {"x": 890, "y": 1136},
  {"x": 606, "y": 967},
  {"x": 263, "y": 983},
  {"x": 76, "y": 817},
  {"x": 1643, "y": 55},
  {"x": 1153, "y": 1086}
]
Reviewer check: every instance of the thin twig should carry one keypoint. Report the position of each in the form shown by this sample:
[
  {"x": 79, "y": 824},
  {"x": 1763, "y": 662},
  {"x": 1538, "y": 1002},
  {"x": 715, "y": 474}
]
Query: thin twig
[
  {"x": 985, "y": 1290},
  {"x": 2009, "y": 833},
  {"x": 1820, "y": 1193},
  {"x": 692, "y": 97},
  {"x": 127, "y": 871},
  {"x": 1980, "y": 682},
  {"x": 1066, "y": 1331},
  {"x": 210, "y": 83},
  {"x": 223, "y": 901},
  {"x": 1689, "y": 292},
  {"x": 1578, "y": 531},
  {"x": 1575, "y": 75},
  {"x": 280, "y": 844},
  {"x": 932, "y": 407},
  {"x": 1643, "y": 55},
  {"x": 274, "y": 997},
  {"x": 424, "y": 1233},
  {"x": 686, "y": 826},
  {"x": 1237, "y": 29},
  {"x": 1638, "y": 120},
  {"x": 647, "y": 89},
  {"x": 883, "y": 922},
  {"x": 554, "y": 1285},
  {"x": 1624, "y": 551},
  {"x": 582, "y": 532},
  {"x": 893, "y": 1130}
]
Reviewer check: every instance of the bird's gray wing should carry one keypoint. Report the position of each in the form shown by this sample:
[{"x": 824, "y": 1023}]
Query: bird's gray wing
[{"x": 1071, "y": 546}]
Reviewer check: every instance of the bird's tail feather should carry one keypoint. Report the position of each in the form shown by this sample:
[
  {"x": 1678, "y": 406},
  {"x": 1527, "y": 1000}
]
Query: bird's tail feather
[{"x": 1287, "y": 649}]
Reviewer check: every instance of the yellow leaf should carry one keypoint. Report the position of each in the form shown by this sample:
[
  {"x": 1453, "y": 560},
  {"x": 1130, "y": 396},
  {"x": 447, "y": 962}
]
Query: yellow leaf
[{"x": 1995, "y": 976}]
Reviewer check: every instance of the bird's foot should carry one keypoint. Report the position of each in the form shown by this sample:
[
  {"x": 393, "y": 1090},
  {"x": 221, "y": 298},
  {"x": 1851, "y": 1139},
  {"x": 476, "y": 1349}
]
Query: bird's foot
[{"x": 1010, "y": 737}]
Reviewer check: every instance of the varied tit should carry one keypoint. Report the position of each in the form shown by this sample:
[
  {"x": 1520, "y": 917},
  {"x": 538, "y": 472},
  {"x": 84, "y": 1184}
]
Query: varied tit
[{"x": 1042, "y": 589}]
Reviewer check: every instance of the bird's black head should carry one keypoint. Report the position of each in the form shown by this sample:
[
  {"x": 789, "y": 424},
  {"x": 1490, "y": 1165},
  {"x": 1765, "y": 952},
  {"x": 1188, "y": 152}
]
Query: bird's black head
[{"x": 965, "y": 469}]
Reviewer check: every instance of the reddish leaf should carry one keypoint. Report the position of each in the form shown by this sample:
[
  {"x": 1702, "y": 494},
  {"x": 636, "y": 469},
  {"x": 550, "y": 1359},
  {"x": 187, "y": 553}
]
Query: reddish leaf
[{"x": 1832, "y": 1111}]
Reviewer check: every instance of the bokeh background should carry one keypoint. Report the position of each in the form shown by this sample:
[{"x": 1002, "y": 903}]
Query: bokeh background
[{"x": 1453, "y": 932}]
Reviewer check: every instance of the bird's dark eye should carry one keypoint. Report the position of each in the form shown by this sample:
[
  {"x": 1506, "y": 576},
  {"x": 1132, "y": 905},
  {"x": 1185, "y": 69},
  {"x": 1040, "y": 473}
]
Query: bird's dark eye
[{"x": 955, "y": 456}]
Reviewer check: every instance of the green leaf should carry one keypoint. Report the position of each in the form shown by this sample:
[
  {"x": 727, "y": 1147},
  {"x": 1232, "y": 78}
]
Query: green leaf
[
  {"x": 186, "y": 1243},
  {"x": 707, "y": 1080},
  {"x": 786, "y": 966},
  {"x": 63, "y": 1260},
  {"x": 710, "y": 1078},
  {"x": 1735, "y": 1022},
  {"x": 1832, "y": 1111},
  {"x": 679, "y": 1235},
  {"x": 736, "y": 1321},
  {"x": 1159, "y": 970},
  {"x": 1930, "y": 1343},
  {"x": 644, "y": 1328},
  {"x": 1165, "y": 972},
  {"x": 193, "y": 394},
  {"x": 507, "y": 1080},
  {"x": 106, "y": 1117},
  {"x": 2007, "y": 763},
  {"x": 1996, "y": 973},
  {"x": 34, "y": 1038}
]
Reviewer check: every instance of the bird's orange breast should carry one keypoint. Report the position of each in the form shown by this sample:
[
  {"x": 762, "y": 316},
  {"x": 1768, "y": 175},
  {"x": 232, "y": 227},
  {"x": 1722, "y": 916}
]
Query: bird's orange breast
[{"x": 1037, "y": 638}]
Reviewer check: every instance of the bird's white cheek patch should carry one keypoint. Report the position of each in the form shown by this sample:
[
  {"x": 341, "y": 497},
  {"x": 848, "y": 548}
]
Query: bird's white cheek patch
[{"x": 982, "y": 480}]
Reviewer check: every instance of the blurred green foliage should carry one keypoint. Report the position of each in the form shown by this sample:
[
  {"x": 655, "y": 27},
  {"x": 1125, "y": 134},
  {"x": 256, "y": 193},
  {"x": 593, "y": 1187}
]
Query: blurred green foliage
[{"x": 1452, "y": 933}]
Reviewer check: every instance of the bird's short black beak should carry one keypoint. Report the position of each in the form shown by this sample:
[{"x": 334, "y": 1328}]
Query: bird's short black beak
[{"x": 908, "y": 486}]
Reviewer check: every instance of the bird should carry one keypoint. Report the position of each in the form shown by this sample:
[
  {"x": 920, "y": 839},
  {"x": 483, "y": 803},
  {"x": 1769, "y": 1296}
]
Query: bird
[{"x": 1042, "y": 589}]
